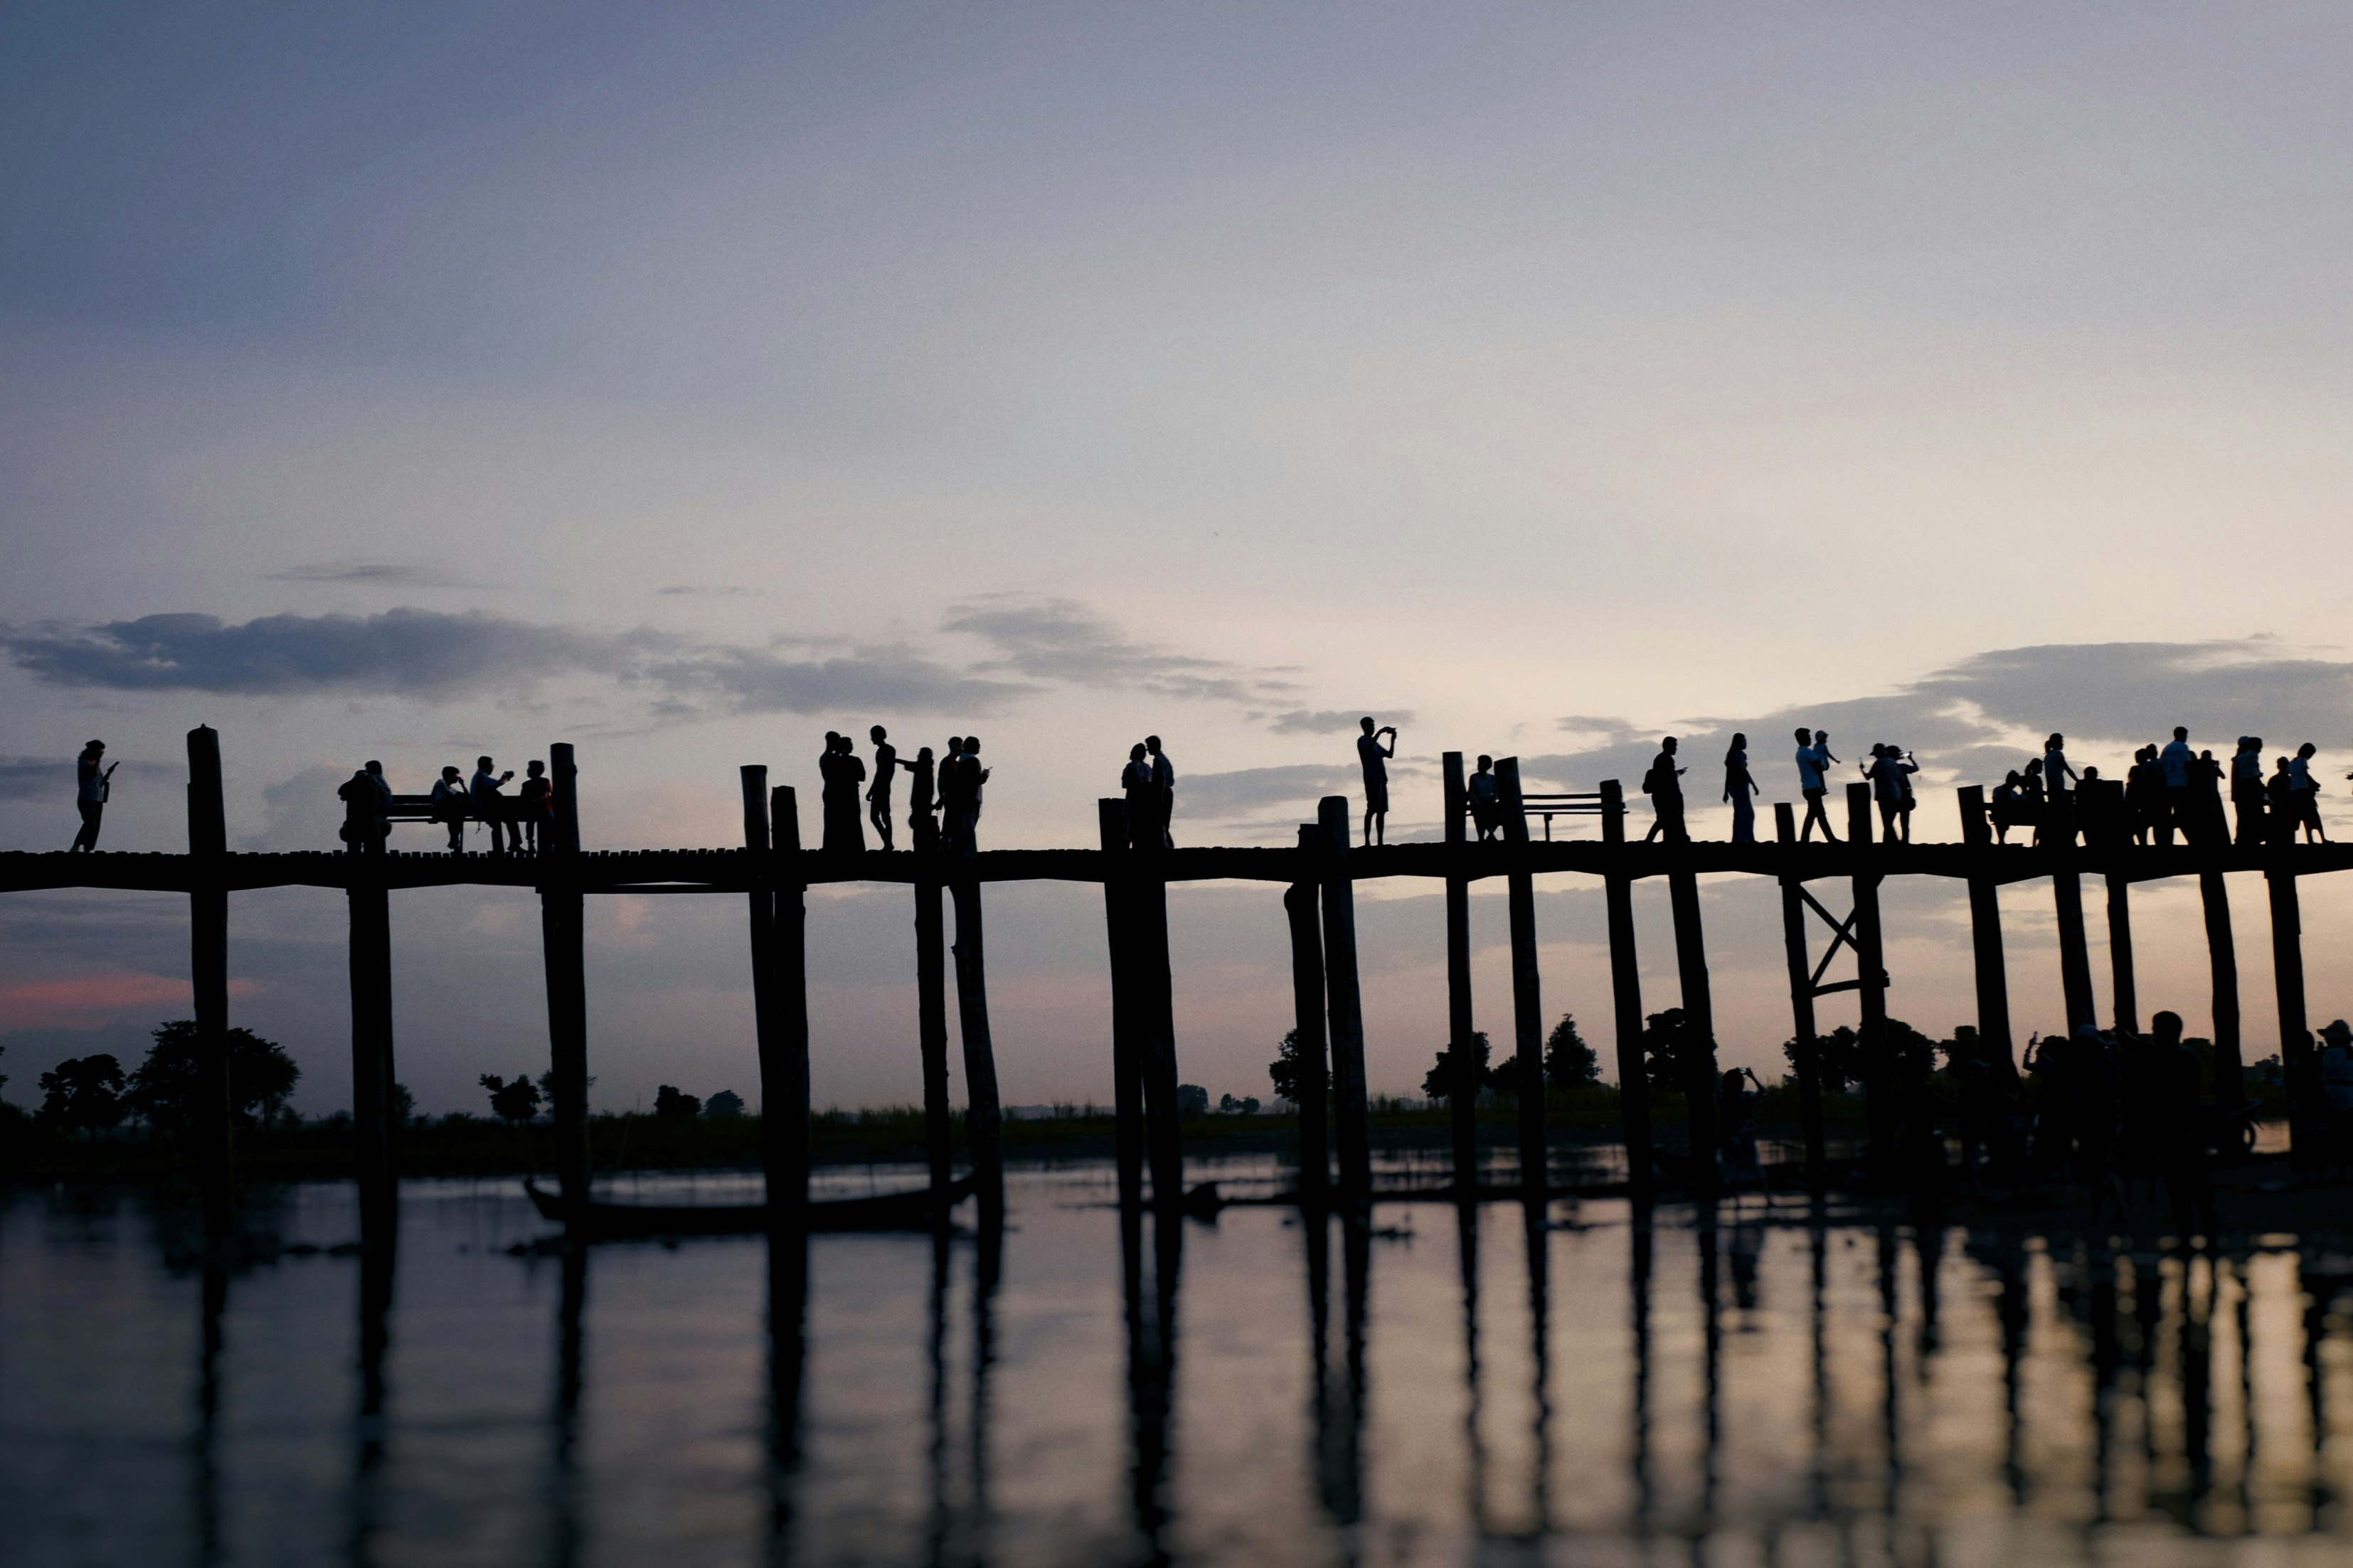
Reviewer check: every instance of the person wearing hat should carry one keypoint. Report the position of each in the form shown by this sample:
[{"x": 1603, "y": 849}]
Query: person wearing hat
[
  {"x": 92, "y": 787},
  {"x": 2337, "y": 1082}
]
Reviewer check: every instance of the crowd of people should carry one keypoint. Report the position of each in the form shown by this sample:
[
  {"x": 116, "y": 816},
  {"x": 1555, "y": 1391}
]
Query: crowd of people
[
  {"x": 2168, "y": 791},
  {"x": 944, "y": 793}
]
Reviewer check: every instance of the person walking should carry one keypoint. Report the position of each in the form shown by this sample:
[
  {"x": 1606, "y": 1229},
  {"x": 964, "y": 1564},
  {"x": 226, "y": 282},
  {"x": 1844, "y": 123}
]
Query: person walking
[
  {"x": 1664, "y": 785},
  {"x": 2247, "y": 789},
  {"x": 1374, "y": 758},
  {"x": 1136, "y": 783},
  {"x": 450, "y": 800},
  {"x": 1164, "y": 790},
  {"x": 1741, "y": 789},
  {"x": 1486, "y": 799},
  {"x": 1813, "y": 758},
  {"x": 535, "y": 802},
  {"x": 2173, "y": 766},
  {"x": 2306, "y": 794},
  {"x": 878, "y": 794},
  {"x": 92, "y": 785},
  {"x": 491, "y": 805}
]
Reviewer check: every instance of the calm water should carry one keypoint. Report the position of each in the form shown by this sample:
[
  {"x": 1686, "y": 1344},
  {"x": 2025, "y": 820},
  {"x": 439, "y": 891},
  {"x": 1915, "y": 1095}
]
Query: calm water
[{"x": 1761, "y": 1392}]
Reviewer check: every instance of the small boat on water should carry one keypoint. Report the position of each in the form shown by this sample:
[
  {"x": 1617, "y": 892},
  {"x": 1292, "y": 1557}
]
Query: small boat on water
[{"x": 910, "y": 1210}]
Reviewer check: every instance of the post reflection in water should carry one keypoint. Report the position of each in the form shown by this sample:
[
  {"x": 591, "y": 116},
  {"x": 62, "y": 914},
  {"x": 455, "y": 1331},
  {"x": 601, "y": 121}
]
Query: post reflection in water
[{"x": 1788, "y": 1386}]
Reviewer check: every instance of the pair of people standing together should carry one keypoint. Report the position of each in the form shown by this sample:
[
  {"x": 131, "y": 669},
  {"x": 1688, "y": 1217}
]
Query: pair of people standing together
[{"x": 1149, "y": 783}]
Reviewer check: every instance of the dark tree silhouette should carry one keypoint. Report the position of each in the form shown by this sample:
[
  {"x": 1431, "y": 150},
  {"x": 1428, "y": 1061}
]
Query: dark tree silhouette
[
  {"x": 723, "y": 1104},
  {"x": 668, "y": 1102},
  {"x": 84, "y": 1092},
  {"x": 1840, "y": 1055},
  {"x": 1663, "y": 1035},
  {"x": 164, "y": 1090},
  {"x": 1284, "y": 1069},
  {"x": 1568, "y": 1060},
  {"x": 1439, "y": 1082},
  {"x": 513, "y": 1100}
]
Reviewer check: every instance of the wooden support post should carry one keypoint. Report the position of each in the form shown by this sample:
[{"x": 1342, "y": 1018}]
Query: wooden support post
[
  {"x": 1463, "y": 1101},
  {"x": 1127, "y": 1051},
  {"x": 212, "y": 1119},
  {"x": 2125, "y": 1000},
  {"x": 2067, "y": 899},
  {"x": 1527, "y": 995},
  {"x": 2222, "y": 960},
  {"x": 1154, "y": 1011},
  {"x": 1307, "y": 1023},
  {"x": 1984, "y": 935},
  {"x": 1625, "y": 994},
  {"x": 376, "y": 1112},
  {"x": 984, "y": 1118},
  {"x": 785, "y": 1071},
  {"x": 1699, "y": 1018},
  {"x": 932, "y": 1002},
  {"x": 1870, "y": 972},
  {"x": 562, "y": 929},
  {"x": 2307, "y": 1109},
  {"x": 1345, "y": 1005},
  {"x": 1801, "y": 1001}
]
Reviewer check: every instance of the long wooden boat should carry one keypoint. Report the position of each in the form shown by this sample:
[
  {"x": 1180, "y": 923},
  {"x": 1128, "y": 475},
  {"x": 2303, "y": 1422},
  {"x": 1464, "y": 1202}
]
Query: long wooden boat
[{"x": 887, "y": 1211}]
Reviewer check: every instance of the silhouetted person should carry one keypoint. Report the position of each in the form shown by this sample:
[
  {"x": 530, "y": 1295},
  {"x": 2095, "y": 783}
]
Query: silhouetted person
[
  {"x": 921, "y": 774},
  {"x": 2177, "y": 1132},
  {"x": 1664, "y": 785},
  {"x": 1813, "y": 757},
  {"x": 2337, "y": 1086},
  {"x": 2247, "y": 789},
  {"x": 358, "y": 794},
  {"x": 449, "y": 806},
  {"x": 1735, "y": 1121},
  {"x": 2174, "y": 765},
  {"x": 2009, "y": 804},
  {"x": 2058, "y": 808},
  {"x": 2208, "y": 825},
  {"x": 93, "y": 784},
  {"x": 1164, "y": 790},
  {"x": 1741, "y": 791},
  {"x": 1889, "y": 788},
  {"x": 845, "y": 830},
  {"x": 1486, "y": 796},
  {"x": 1374, "y": 759},
  {"x": 2304, "y": 793},
  {"x": 2145, "y": 794},
  {"x": 2279, "y": 804},
  {"x": 878, "y": 794},
  {"x": 491, "y": 806},
  {"x": 1136, "y": 783},
  {"x": 961, "y": 777},
  {"x": 535, "y": 802}
]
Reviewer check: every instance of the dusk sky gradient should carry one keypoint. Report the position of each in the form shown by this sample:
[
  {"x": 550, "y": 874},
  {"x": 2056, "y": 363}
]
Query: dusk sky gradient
[{"x": 683, "y": 382}]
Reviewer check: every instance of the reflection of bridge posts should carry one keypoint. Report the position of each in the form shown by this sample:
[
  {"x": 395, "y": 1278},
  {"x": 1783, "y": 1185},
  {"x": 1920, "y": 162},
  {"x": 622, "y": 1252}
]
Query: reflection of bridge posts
[
  {"x": 206, "y": 1476},
  {"x": 1527, "y": 996},
  {"x": 1466, "y": 1234},
  {"x": 1151, "y": 1362},
  {"x": 1463, "y": 1096},
  {"x": 565, "y": 1535},
  {"x": 1626, "y": 996},
  {"x": 376, "y": 1259},
  {"x": 1638, "y": 1274},
  {"x": 788, "y": 1364},
  {"x": 1339, "y": 1400},
  {"x": 1537, "y": 1233}
]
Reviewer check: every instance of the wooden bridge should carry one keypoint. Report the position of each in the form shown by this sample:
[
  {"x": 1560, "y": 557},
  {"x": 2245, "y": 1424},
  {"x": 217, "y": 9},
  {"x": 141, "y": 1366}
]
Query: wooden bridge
[{"x": 772, "y": 870}]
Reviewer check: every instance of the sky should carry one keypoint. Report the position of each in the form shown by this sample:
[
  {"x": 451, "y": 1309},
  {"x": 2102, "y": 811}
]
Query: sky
[{"x": 414, "y": 382}]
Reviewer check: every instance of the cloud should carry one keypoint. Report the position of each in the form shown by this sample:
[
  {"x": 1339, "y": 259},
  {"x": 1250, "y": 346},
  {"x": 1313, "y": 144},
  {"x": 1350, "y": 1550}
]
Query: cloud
[
  {"x": 2139, "y": 691},
  {"x": 683, "y": 590},
  {"x": 1248, "y": 790},
  {"x": 411, "y": 652},
  {"x": 1330, "y": 721},
  {"x": 381, "y": 573},
  {"x": 1061, "y": 639}
]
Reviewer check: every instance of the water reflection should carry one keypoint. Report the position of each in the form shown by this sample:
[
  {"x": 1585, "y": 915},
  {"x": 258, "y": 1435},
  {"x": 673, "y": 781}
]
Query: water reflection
[{"x": 1773, "y": 1382}]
